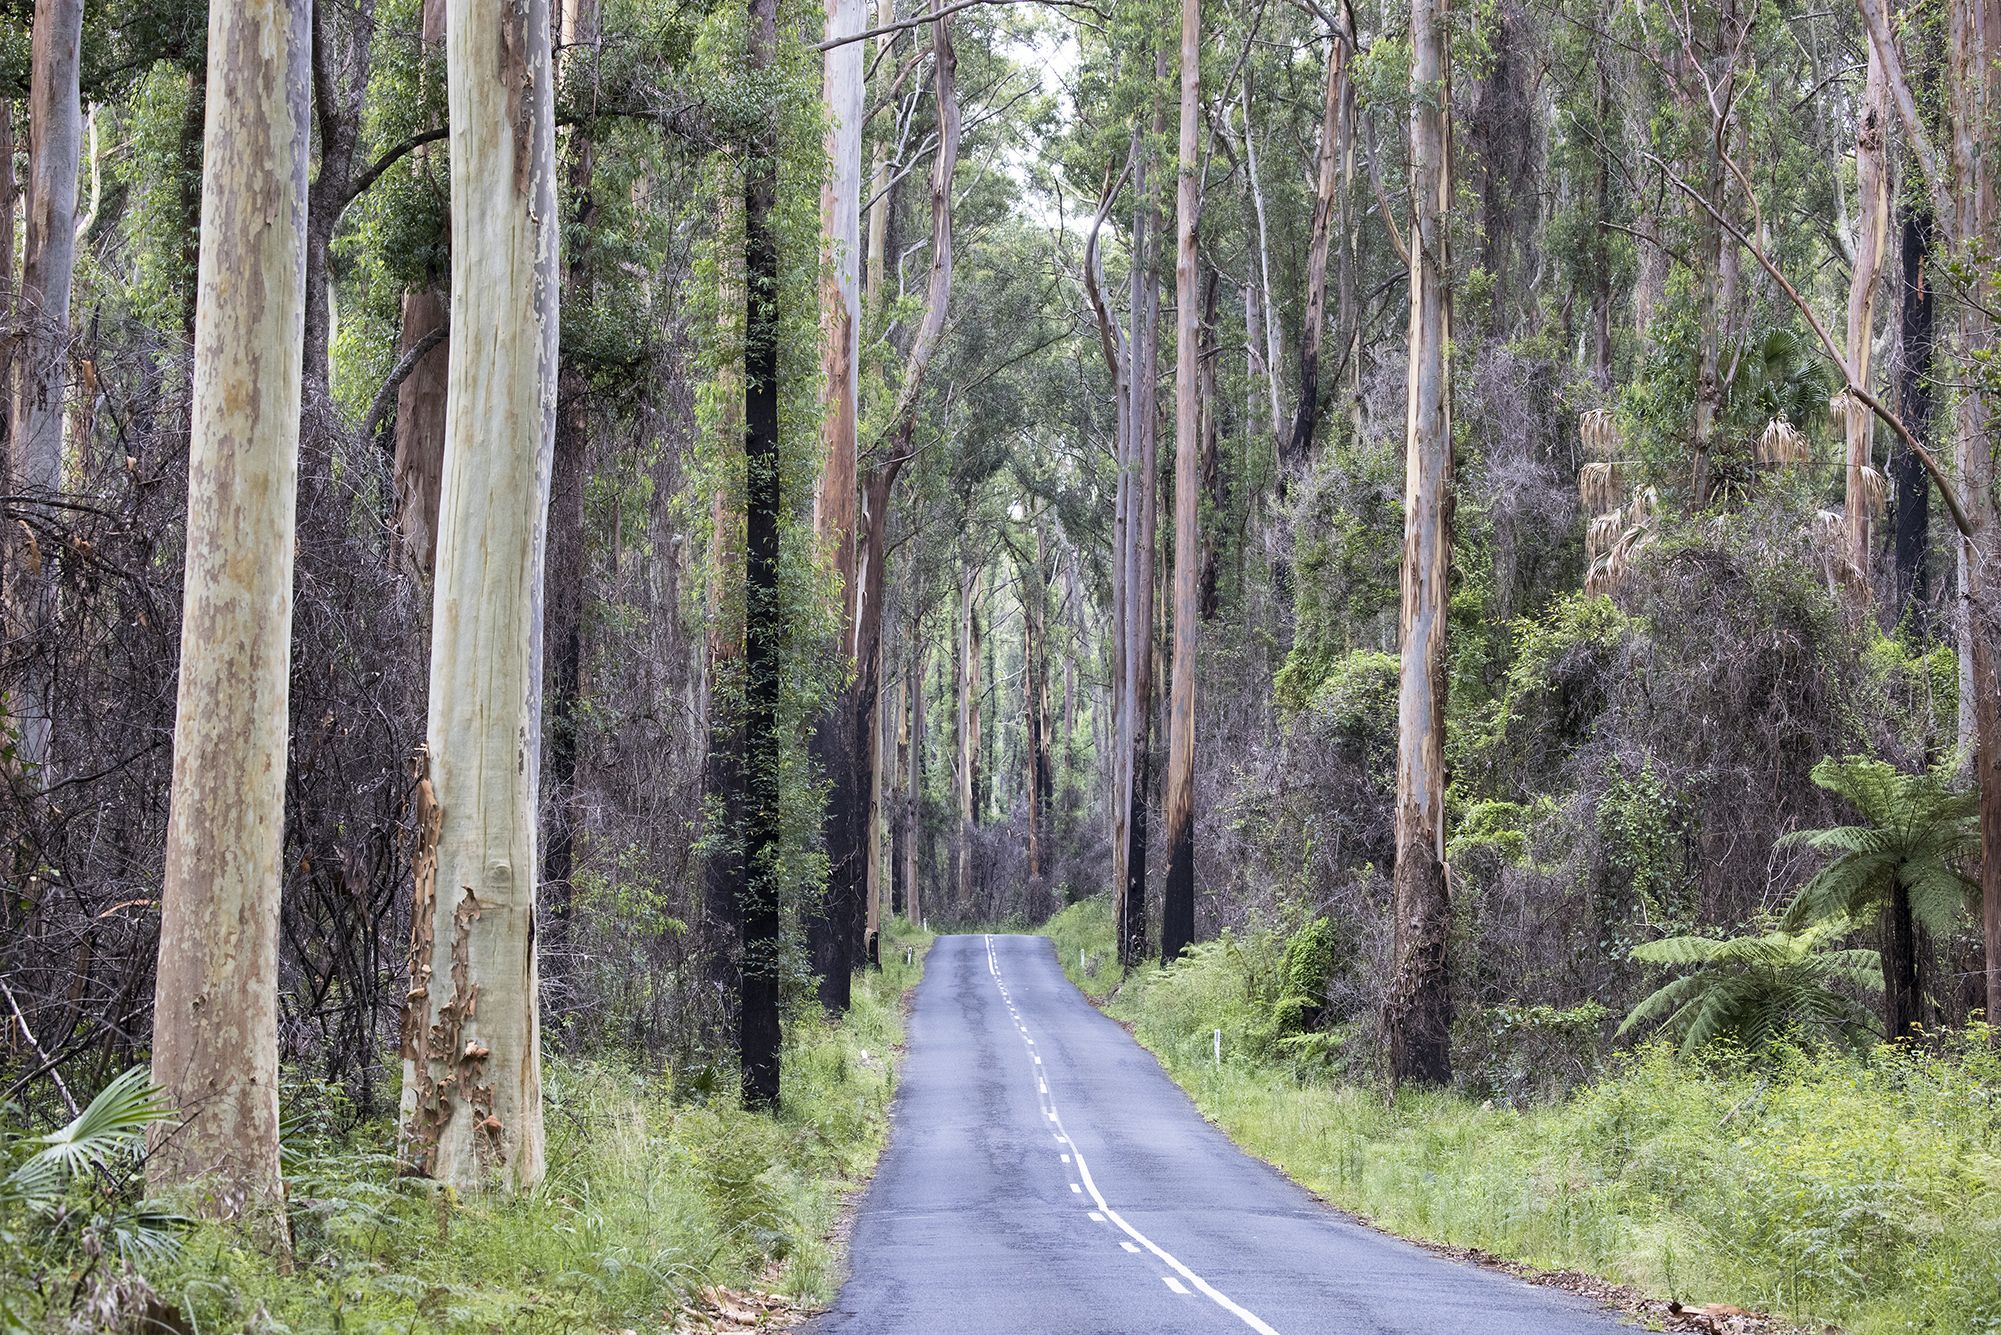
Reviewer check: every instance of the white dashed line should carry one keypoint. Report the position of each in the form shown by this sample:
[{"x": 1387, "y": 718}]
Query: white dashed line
[
  {"x": 1208, "y": 1290},
  {"x": 1097, "y": 1218}
]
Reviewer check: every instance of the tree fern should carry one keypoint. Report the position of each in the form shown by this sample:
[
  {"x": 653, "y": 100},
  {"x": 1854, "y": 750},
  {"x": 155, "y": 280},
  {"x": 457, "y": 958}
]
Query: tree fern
[
  {"x": 1758, "y": 990},
  {"x": 1905, "y": 866},
  {"x": 1921, "y": 831}
]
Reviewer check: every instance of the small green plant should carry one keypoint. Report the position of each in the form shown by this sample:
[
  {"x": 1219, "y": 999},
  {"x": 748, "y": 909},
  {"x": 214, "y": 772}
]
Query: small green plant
[
  {"x": 75, "y": 1193},
  {"x": 1759, "y": 991}
]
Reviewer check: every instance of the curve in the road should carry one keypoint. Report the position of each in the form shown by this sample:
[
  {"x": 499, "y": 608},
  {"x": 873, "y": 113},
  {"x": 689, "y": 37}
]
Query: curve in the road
[{"x": 992, "y": 1212}]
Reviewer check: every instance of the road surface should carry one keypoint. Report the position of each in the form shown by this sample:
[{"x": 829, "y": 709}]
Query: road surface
[{"x": 1045, "y": 1177}]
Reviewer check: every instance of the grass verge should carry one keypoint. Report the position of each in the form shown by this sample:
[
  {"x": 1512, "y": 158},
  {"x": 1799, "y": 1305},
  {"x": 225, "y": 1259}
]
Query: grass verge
[
  {"x": 649, "y": 1201},
  {"x": 1862, "y": 1191}
]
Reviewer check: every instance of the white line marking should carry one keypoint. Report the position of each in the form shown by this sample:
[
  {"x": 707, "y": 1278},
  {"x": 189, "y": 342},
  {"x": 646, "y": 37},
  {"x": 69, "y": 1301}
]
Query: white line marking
[
  {"x": 1066, "y": 1158},
  {"x": 1074, "y": 1187},
  {"x": 1097, "y": 1218},
  {"x": 1208, "y": 1290},
  {"x": 1128, "y": 1246},
  {"x": 1044, "y": 1086}
]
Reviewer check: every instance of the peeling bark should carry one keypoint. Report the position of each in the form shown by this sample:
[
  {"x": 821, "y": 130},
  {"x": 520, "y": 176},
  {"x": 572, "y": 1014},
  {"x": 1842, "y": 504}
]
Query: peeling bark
[{"x": 485, "y": 726}]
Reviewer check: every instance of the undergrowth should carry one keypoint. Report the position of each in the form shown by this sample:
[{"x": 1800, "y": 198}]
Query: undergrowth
[
  {"x": 1857, "y": 1189},
  {"x": 648, "y": 1199}
]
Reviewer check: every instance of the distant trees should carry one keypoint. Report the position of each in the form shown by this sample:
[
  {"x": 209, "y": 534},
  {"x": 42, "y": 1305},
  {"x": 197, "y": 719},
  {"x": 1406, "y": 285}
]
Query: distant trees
[
  {"x": 40, "y": 355},
  {"x": 215, "y": 1032},
  {"x": 472, "y": 1072}
]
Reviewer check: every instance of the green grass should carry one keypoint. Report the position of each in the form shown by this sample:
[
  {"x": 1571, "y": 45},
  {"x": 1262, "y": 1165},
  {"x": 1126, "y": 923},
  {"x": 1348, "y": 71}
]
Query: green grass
[
  {"x": 647, "y": 1200},
  {"x": 1086, "y": 927},
  {"x": 1860, "y": 1190}
]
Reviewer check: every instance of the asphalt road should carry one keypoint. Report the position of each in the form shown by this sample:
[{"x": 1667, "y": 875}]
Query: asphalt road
[{"x": 1045, "y": 1177}]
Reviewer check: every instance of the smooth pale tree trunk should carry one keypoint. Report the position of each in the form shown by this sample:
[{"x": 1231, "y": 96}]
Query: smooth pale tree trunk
[
  {"x": 760, "y": 1037},
  {"x": 1974, "y": 38},
  {"x": 901, "y": 835},
  {"x": 215, "y": 1018},
  {"x": 1327, "y": 175},
  {"x": 1262, "y": 288},
  {"x": 10, "y": 196},
  {"x": 840, "y": 743},
  {"x": 1418, "y": 1014},
  {"x": 1871, "y": 241},
  {"x": 1177, "y": 930},
  {"x": 41, "y": 358},
  {"x": 472, "y": 1079}
]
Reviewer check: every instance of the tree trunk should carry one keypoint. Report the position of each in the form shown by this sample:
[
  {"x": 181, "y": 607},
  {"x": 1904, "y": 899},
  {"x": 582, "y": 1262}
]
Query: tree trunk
[
  {"x": 418, "y": 468},
  {"x": 215, "y": 1034},
  {"x": 1872, "y": 234},
  {"x": 472, "y": 1080},
  {"x": 965, "y": 677},
  {"x": 1306, "y": 418},
  {"x": 1215, "y": 480},
  {"x": 343, "y": 37},
  {"x": 567, "y": 566},
  {"x": 1914, "y": 405},
  {"x": 1142, "y": 528},
  {"x": 41, "y": 361},
  {"x": 913, "y": 891},
  {"x": 840, "y": 742},
  {"x": 1268, "y": 361},
  {"x": 1177, "y": 928},
  {"x": 1418, "y": 1016},
  {"x": 901, "y": 834},
  {"x": 1901, "y": 1000},
  {"x": 759, "y": 1036}
]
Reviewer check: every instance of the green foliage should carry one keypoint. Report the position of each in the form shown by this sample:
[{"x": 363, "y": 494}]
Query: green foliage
[
  {"x": 1640, "y": 825},
  {"x": 1553, "y": 692},
  {"x": 71, "y": 1201},
  {"x": 1921, "y": 831},
  {"x": 1756, "y": 992},
  {"x": 1829, "y": 1186},
  {"x": 649, "y": 1198}
]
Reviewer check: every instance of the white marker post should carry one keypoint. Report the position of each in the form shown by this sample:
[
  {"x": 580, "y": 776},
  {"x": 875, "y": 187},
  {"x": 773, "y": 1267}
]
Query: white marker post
[
  {"x": 1080, "y": 959},
  {"x": 1219, "y": 1049}
]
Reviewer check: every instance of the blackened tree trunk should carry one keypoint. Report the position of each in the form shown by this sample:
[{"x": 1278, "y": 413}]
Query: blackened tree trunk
[
  {"x": 1914, "y": 394},
  {"x": 758, "y": 1035},
  {"x": 1901, "y": 1001}
]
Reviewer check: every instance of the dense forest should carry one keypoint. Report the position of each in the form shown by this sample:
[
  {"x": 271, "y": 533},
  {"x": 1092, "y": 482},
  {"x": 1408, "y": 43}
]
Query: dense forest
[{"x": 1447, "y": 552}]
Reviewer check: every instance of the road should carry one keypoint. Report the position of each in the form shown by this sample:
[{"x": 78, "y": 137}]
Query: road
[{"x": 1045, "y": 1177}]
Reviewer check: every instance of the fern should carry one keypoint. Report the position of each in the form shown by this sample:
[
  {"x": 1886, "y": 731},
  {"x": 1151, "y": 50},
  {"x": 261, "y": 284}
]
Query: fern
[
  {"x": 1921, "y": 832},
  {"x": 1758, "y": 990}
]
